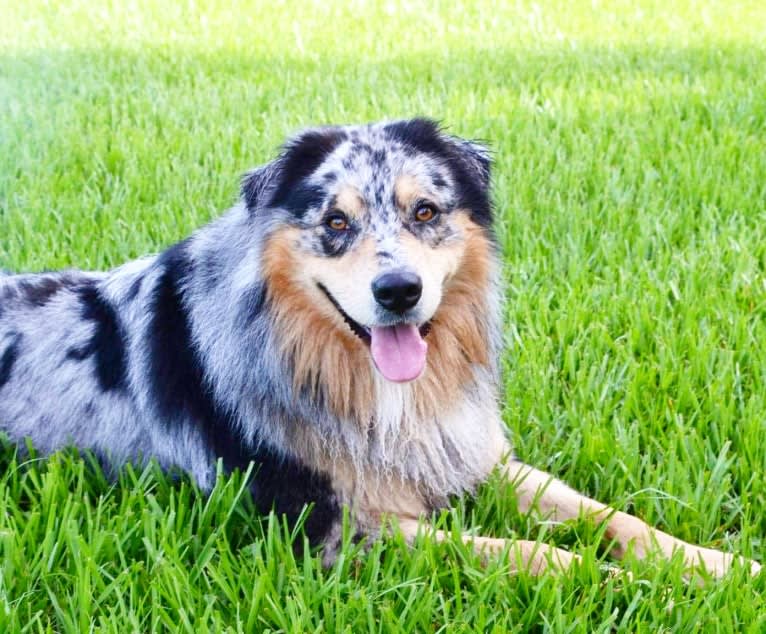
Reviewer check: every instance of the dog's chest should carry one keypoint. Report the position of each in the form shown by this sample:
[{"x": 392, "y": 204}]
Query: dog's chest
[{"x": 408, "y": 465}]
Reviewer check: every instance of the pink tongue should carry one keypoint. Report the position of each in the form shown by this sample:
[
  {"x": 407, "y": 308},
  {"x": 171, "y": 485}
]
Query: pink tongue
[{"x": 399, "y": 351}]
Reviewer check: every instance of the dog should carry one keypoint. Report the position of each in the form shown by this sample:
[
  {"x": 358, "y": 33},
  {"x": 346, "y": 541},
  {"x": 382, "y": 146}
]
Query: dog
[{"x": 339, "y": 328}]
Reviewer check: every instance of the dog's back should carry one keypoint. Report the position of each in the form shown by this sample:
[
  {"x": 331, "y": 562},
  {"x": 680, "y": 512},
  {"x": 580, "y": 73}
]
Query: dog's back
[{"x": 63, "y": 371}]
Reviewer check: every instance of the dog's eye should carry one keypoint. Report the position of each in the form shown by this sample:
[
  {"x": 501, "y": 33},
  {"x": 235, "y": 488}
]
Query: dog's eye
[
  {"x": 337, "y": 221},
  {"x": 425, "y": 213}
]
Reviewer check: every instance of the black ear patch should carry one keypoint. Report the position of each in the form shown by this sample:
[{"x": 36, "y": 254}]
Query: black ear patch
[
  {"x": 470, "y": 164},
  {"x": 257, "y": 182},
  {"x": 300, "y": 158},
  {"x": 420, "y": 135},
  {"x": 477, "y": 157},
  {"x": 281, "y": 183}
]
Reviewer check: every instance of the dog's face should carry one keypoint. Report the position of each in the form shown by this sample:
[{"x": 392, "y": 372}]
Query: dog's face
[{"x": 374, "y": 221}]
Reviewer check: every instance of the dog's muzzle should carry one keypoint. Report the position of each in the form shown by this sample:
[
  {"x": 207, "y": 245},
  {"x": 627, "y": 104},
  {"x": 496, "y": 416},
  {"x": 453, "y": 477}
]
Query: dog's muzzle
[{"x": 398, "y": 350}]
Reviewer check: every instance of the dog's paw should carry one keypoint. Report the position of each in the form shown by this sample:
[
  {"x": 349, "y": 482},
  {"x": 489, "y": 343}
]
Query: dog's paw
[{"x": 716, "y": 563}]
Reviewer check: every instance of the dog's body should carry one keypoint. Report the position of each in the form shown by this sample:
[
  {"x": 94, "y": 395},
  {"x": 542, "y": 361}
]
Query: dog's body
[{"x": 339, "y": 327}]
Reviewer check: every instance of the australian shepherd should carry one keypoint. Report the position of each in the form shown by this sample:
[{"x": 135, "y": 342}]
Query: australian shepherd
[{"x": 339, "y": 327}]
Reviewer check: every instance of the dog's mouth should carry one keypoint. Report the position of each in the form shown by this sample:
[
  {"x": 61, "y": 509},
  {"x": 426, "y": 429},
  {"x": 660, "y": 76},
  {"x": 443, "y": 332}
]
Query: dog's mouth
[{"x": 399, "y": 351}]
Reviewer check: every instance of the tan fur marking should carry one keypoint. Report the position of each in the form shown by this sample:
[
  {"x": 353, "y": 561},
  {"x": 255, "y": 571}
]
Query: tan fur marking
[
  {"x": 557, "y": 501},
  {"x": 327, "y": 358},
  {"x": 458, "y": 337},
  {"x": 407, "y": 190},
  {"x": 374, "y": 496},
  {"x": 349, "y": 201}
]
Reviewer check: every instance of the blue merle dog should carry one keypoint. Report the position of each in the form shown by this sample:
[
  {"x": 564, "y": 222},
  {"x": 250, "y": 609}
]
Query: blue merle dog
[{"x": 339, "y": 327}]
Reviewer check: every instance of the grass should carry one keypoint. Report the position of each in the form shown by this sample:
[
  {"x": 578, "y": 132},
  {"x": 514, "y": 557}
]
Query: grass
[{"x": 630, "y": 183}]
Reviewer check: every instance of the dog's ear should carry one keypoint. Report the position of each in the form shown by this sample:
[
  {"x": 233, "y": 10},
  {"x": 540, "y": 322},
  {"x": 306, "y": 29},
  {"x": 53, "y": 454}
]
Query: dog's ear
[
  {"x": 470, "y": 163},
  {"x": 273, "y": 183},
  {"x": 476, "y": 157},
  {"x": 257, "y": 183}
]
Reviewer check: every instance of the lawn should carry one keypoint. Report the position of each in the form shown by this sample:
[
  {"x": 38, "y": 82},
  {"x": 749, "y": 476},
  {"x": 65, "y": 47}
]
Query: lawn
[{"x": 630, "y": 187}]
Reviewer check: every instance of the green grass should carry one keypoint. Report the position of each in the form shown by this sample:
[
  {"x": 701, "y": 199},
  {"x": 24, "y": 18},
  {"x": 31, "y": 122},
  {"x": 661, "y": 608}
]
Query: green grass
[{"x": 630, "y": 183}]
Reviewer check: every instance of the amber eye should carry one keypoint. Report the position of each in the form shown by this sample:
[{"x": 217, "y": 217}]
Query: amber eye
[
  {"x": 337, "y": 221},
  {"x": 425, "y": 213}
]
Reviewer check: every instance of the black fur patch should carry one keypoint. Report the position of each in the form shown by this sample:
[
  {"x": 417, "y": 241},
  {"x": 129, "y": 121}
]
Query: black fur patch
[
  {"x": 287, "y": 486},
  {"x": 176, "y": 377},
  {"x": 473, "y": 189},
  {"x": 378, "y": 157},
  {"x": 182, "y": 393},
  {"x": 107, "y": 344},
  {"x": 302, "y": 198},
  {"x": 135, "y": 288},
  {"x": 336, "y": 244},
  {"x": 422, "y": 135},
  {"x": 437, "y": 180},
  {"x": 8, "y": 358},
  {"x": 300, "y": 159},
  {"x": 256, "y": 182},
  {"x": 251, "y": 304},
  {"x": 79, "y": 354},
  {"x": 40, "y": 289}
]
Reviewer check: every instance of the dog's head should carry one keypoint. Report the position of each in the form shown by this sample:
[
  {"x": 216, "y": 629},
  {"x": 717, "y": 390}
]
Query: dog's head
[{"x": 370, "y": 229}]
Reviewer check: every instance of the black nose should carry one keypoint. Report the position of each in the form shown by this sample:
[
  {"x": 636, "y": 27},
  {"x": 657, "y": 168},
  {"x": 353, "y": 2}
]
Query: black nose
[{"x": 397, "y": 291}]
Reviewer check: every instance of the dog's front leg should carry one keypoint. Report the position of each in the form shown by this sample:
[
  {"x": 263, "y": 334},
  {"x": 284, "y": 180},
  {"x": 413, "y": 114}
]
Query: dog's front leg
[
  {"x": 529, "y": 556},
  {"x": 556, "y": 500}
]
